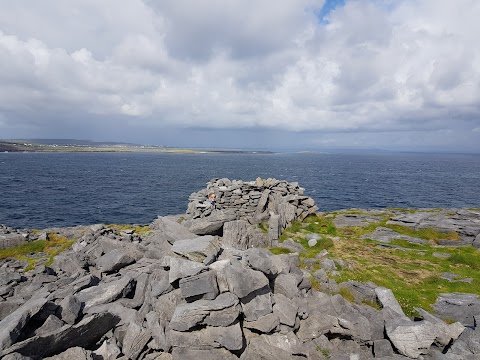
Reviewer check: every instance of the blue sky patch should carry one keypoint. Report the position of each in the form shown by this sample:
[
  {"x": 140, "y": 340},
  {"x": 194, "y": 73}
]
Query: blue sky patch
[{"x": 327, "y": 8}]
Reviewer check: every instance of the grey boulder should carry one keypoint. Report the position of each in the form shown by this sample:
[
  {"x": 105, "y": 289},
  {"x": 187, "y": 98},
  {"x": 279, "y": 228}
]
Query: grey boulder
[
  {"x": 197, "y": 249},
  {"x": 114, "y": 260},
  {"x": 12, "y": 325}
]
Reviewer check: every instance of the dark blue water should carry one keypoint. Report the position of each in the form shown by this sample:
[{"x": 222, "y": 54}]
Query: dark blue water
[{"x": 39, "y": 190}]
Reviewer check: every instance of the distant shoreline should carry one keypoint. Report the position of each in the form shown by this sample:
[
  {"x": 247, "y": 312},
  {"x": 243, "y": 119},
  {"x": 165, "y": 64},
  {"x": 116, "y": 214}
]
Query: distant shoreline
[{"x": 6, "y": 147}]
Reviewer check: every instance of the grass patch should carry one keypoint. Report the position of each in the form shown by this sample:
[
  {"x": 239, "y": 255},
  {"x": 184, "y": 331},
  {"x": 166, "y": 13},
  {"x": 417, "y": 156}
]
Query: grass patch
[
  {"x": 51, "y": 247},
  {"x": 323, "y": 351},
  {"x": 426, "y": 234},
  {"x": 311, "y": 252},
  {"x": 359, "y": 231},
  {"x": 139, "y": 229},
  {"x": 347, "y": 294},
  {"x": 279, "y": 250},
  {"x": 413, "y": 278},
  {"x": 264, "y": 227},
  {"x": 412, "y": 273},
  {"x": 24, "y": 249}
]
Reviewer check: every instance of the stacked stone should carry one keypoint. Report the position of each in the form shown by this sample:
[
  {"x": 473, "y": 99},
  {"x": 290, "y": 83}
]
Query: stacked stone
[
  {"x": 248, "y": 198},
  {"x": 242, "y": 205},
  {"x": 169, "y": 294}
]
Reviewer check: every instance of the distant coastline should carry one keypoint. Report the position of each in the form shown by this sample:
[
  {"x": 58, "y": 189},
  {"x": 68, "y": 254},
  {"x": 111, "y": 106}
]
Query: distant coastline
[{"x": 90, "y": 146}]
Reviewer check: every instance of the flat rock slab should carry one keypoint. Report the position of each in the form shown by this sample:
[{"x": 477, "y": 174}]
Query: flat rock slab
[
  {"x": 460, "y": 307},
  {"x": 386, "y": 235},
  {"x": 243, "y": 281},
  {"x": 189, "y": 315},
  {"x": 105, "y": 293},
  {"x": 171, "y": 230},
  {"x": 203, "y": 284},
  {"x": 197, "y": 249},
  {"x": 180, "y": 268},
  {"x": 344, "y": 220},
  {"x": 229, "y": 337},
  {"x": 114, "y": 260},
  {"x": 85, "y": 334},
  {"x": 411, "y": 338}
]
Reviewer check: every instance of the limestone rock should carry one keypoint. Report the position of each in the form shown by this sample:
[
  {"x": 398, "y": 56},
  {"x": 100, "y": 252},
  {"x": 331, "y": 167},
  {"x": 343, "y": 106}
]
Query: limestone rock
[
  {"x": 84, "y": 334},
  {"x": 242, "y": 281},
  {"x": 180, "y": 268},
  {"x": 69, "y": 309},
  {"x": 286, "y": 284},
  {"x": 52, "y": 323},
  {"x": 459, "y": 307},
  {"x": 181, "y": 353},
  {"x": 197, "y": 249},
  {"x": 257, "y": 304},
  {"x": 286, "y": 309},
  {"x": 171, "y": 230},
  {"x": 136, "y": 338},
  {"x": 264, "y": 324},
  {"x": 235, "y": 234},
  {"x": 12, "y": 325},
  {"x": 114, "y": 260},
  {"x": 105, "y": 292},
  {"x": 387, "y": 299},
  {"x": 203, "y": 284},
  {"x": 109, "y": 350},
  {"x": 411, "y": 338},
  {"x": 222, "y": 311},
  {"x": 74, "y": 353},
  {"x": 229, "y": 337}
]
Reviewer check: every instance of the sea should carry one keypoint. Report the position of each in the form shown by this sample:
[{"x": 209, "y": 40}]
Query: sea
[{"x": 44, "y": 190}]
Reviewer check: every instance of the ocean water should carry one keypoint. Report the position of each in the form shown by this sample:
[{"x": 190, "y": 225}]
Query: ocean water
[{"x": 40, "y": 190}]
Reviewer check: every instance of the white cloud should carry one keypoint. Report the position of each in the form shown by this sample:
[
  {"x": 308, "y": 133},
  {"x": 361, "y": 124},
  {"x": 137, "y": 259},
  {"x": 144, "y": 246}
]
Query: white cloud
[{"x": 374, "y": 66}]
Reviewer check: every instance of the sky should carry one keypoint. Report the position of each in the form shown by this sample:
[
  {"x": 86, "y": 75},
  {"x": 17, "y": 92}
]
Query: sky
[{"x": 263, "y": 74}]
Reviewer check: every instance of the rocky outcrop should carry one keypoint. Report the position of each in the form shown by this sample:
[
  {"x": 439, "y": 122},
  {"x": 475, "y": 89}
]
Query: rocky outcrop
[
  {"x": 242, "y": 206},
  {"x": 199, "y": 299}
]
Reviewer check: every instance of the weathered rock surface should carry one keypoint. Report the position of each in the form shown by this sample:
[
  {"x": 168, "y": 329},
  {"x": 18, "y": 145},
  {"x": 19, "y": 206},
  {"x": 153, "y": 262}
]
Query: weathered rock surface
[{"x": 459, "y": 307}]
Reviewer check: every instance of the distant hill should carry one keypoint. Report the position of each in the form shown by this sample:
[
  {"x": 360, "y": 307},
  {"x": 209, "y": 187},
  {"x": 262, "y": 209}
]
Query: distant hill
[{"x": 70, "y": 142}]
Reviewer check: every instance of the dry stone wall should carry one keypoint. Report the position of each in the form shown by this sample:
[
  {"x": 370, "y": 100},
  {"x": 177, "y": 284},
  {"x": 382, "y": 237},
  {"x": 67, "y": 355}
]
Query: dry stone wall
[{"x": 242, "y": 205}]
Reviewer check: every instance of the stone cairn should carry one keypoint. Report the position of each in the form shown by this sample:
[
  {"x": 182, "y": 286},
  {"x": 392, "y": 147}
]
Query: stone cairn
[
  {"x": 241, "y": 206},
  {"x": 169, "y": 293}
]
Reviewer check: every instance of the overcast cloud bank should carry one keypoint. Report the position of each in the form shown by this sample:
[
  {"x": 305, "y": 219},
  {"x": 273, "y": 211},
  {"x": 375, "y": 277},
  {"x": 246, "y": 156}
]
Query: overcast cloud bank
[{"x": 372, "y": 73}]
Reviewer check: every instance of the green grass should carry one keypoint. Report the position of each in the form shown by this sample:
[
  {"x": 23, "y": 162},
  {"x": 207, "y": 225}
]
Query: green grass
[
  {"x": 413, "y": 278},
  {"x": 51, "y": 247},
  {"x": 140, "y": 230},
  {"x": 358, "y": 231},
  {"x": 311, "y": 252},
  {"x": 347, "y": 294},
  {"x": 30, "y": 247},
  {"x": 426, "y": 234},
  {"x": 412, "y": 274},
  {"x": 279, "y": 250},
  {"x": 264, "y": 227},
  {"x": 323, "y": 351}
]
